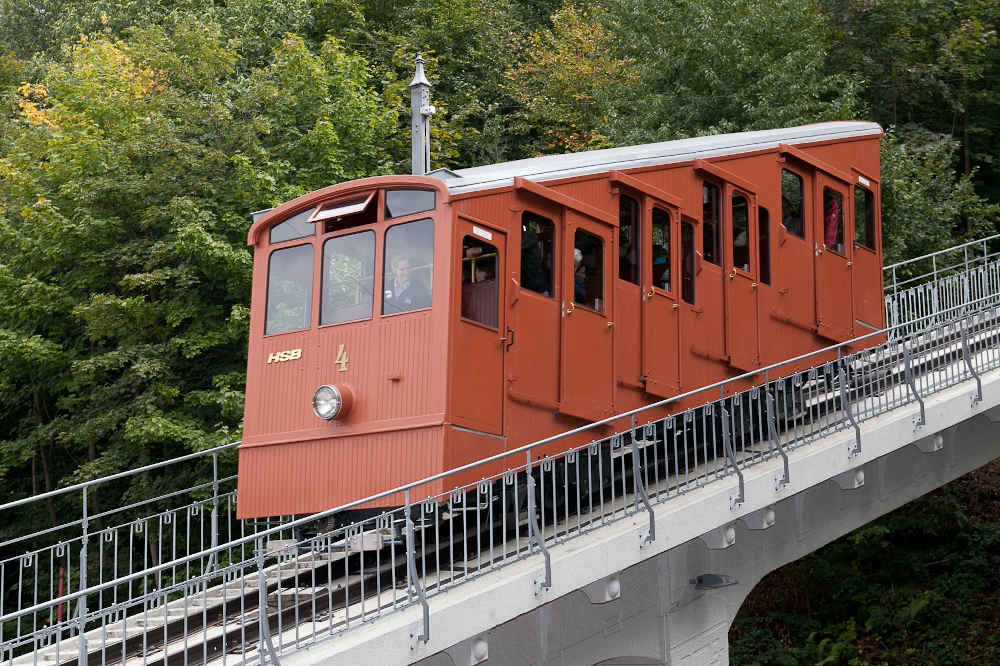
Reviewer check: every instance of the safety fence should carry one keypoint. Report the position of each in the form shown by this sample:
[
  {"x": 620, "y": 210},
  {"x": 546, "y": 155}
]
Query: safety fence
[{"x": 188, "y": 583}]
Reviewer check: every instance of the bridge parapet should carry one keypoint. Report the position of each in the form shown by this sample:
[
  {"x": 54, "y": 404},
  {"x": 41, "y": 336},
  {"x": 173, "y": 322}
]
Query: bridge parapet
[{"x": 224, "y": 585}]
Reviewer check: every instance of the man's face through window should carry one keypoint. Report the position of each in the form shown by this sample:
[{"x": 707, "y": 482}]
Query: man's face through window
[{"x": 401, "y": 271}]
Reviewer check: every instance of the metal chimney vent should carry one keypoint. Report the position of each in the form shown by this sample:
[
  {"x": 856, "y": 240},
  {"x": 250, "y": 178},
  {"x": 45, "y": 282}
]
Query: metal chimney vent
[{"x": 420, "y": 120}]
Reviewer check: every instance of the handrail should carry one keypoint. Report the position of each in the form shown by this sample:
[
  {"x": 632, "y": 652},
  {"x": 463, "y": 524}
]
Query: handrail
[
  {"x": 405, "y": 488},
  {"x": 119, "y": 475},
  {"x": 938, "y": 252}
]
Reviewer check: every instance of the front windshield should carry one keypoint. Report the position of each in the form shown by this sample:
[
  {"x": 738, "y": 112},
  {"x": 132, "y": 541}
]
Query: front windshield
[
  {"x": 348, "y": 278},
  {"x": 409, "y": 266}
]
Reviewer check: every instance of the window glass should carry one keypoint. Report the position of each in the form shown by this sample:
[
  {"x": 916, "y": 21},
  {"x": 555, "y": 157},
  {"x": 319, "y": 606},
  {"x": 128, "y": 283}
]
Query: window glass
[
  {"x": 537, "y": 249},
  {"x": 356, "y": 211},
  {"x": 628, "y": 240},
  {"x": 687, "y": 262},
  {"x": 791, "y": 203},
  {"x": 289, "y": 289},
  {"x": 712, "y": 241},
  {"x": 741, "y": 233},
  {"x": 348, "y": 278},
  {"x": 833, "y": 220},
  {"x": 661, "y": 249},
  {"x": 588, "y": 270},
  {"x": 764, "y": 244},
  {"x": 407, "y": 202},
  {"x": 864, "y": 217},
  {"x": 409, "y": 266},
  {"x": 479, "y": 281},
  {"x": 292, "y": 228}
]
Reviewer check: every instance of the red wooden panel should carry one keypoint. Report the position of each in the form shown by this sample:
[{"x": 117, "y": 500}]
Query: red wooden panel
[{"x": 834, "y": 249}]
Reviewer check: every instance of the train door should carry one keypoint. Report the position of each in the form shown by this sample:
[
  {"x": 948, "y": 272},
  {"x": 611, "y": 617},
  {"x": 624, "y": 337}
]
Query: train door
[
  {"x": 741, "y": 280},
  {"x": 834, "y": 251},
  {"x": 480, "y": 334},
  {"x": 586, "y": 385},
  {"x": 661, "y": 315},
  {"x": 867, "y": 269}
]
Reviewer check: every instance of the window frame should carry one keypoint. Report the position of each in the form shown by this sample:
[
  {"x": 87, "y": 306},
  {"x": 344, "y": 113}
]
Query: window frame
[
  {"x": 719, "y": 240},
  {"x": 461, "y": 277},
  {"x": 554, "y": 280},
  {"x": 804, "y": 198},
  {"x": 398, "y": 222},
  {"x": 669, "y": 212},
  {"x": 286, "y": 245},
  {"x": 870, "y": 199},
  {"x": 370, "y": 228}
]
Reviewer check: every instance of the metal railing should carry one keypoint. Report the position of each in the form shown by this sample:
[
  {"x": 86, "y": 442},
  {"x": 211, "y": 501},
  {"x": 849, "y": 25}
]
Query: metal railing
[
  {"x": 939, "y": 264},
  {"x": 189, "y": 583}
]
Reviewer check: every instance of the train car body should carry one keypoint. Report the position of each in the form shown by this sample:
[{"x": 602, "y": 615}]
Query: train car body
[{"x": 462, "y": 314}]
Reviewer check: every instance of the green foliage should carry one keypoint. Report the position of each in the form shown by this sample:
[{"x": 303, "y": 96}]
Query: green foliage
[
  {"x": 917, "y": 586},
  {"x": 130, "y": 168}
]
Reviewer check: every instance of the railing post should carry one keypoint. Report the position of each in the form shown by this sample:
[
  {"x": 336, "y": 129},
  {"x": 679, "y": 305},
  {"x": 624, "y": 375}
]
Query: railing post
[
  {"x": 640, "y": 486},
  {"x": 967, "y": 356},
  {"x": 736, "y": 501},
  {"x": 262, "y": 619},
  {"x": 214, "y": 557},
  {"x": 772, "y": 429},
  {"x": 533, "y": 530},
  {"x": 81, "y": 605},
  {"x": 412, "y": 580},
  {"x": 846, "y": 406},
  {"x": 910, "y": 381}
]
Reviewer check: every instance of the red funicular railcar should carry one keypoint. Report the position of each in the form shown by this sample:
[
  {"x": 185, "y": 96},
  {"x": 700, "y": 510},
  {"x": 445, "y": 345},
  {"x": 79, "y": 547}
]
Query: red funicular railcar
[{"x": 461, "y": 314}]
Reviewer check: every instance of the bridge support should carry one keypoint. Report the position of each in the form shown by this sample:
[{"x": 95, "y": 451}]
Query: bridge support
[{"x": 677, "y": 607}]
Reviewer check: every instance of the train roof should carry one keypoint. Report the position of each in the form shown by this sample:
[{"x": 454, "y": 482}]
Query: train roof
[{"x": 552, "y": 167}]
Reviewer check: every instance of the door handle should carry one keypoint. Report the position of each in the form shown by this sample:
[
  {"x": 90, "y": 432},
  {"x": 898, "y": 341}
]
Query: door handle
[
  {"x": 509, "y": 339},
  {"x": 676, "y": 307},
  {"x": 571, "y": 308},
  {"x": 753, "y": 285},
  {"x": 850, "y": 263},
  {"x": 649, "y": 294},
  {"x": 610, "y": 324}
]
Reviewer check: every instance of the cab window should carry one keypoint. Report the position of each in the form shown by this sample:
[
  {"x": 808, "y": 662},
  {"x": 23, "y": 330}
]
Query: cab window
[
  {"x": 588, "y": 270},
  {"x": 687, "y": 262},
  {"x": 297, "y": 226},
  {"x": 791, "y": 203},
  {"x": 354, "y": 211},
  {"x": 479, "y": 281},
  {"x": 537, "y": 249},
  {"x": 628, "y": 239},
  {"x": 833, "y": 220},
  {"x": 289, "y": 289},
  {"x": 348, "y": 278},
  {"x": 409, "y": 267},
  {"x": 741, "y": 233},
  {"x": 710, "y": 224},
  {"x": 764, "y": 244},
  {"x": 864, "y": 217},
  {"x": 661, "y": 249},
  {"x": 400, "y": 203}
]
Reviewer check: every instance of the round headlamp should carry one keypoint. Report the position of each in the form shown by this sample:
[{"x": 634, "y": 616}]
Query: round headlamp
[
  {"x": 331, "y": 402},
  {"x": 327, "y": 402}
]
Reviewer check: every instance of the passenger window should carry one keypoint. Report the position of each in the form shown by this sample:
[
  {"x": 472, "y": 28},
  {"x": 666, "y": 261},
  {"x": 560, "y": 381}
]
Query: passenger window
[
  {"x": 864, "y": 217},
  {"x": 348, "y": 278},
  {"x": 791, "y": 203},
  {"x": 399, "y": 203},
  {"x": 687, "y": 262},
  {"x": 537, "y": 245},
  {"x": 408, "y": 267},
  {"x": 833, "y": 220},
  {"x": 355, "y": 211},
  {"x": 741, "y": 233},
  {"x": 764, "y": 244},
  {"x": 628, "y": 240},
  {"x": 479, "y": 281},
  {"x": 289, "y": 289},
  {"x": 712, "y": 236},
  {"x": 588, "y": 270},
  {"x": 661, "y": 249},
  {"x": 297, "y": 226}
]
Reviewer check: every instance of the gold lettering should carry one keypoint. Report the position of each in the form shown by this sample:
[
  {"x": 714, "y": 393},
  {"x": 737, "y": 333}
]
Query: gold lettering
[
  {"x": 341, "y": 359},
  {"x": 286, "y": 355}
]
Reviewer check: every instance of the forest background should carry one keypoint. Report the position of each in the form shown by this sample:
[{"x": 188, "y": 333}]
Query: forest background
[{"x": 138, "y": 135}]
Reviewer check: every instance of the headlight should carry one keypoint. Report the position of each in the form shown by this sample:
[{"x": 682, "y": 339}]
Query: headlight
[{"x": 327, "y": 402}]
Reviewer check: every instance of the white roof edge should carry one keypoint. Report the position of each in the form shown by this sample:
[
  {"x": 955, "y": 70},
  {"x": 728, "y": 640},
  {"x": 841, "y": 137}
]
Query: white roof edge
[{"x": 552, "y": 167}]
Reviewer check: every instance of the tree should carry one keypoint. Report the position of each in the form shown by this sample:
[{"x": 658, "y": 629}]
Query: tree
[{"x": 129, "y": 173}]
